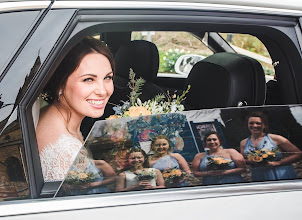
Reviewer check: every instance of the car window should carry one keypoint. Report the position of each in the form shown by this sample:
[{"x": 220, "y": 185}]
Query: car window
[
  {"x": 178, "y": 51},
  {"x": 212, "y": 97},
  {"x": 13, "y": 178},
  {"x": 14, "y": 27},
  {"x": 251, "y": 46},
  {"x": 201, "y": 148}
]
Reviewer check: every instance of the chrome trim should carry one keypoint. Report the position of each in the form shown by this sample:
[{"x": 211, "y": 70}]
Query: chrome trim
[
  {"x": 145, "y": 197},
  {"x": 21, "y": 6},
  {"x": 156, "y": 5}
]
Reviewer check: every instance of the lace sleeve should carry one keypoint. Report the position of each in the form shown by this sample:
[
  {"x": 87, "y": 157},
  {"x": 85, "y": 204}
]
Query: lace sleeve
[{"x": 56, "y": 159}]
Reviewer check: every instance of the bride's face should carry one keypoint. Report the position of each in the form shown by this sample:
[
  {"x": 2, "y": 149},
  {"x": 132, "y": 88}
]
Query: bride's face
[{"x": 89, "y": 87}]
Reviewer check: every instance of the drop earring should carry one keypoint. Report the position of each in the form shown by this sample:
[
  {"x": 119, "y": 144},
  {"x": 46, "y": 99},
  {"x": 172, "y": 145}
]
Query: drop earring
[{"x": 60, "y": 93}]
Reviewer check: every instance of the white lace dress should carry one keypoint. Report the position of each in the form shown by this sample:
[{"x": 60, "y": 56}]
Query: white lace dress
[{"x": 56, "y": 159}]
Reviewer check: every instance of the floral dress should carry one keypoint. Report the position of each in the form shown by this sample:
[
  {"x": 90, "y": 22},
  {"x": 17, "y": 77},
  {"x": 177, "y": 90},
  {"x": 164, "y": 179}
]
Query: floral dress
[
  {"x": 264, "y": 172},
  {"x": 221, "y": 179}
]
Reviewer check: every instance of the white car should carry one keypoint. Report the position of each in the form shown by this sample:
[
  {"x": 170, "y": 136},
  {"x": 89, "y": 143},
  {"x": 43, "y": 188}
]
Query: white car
[{"x": 36, "y": 35}]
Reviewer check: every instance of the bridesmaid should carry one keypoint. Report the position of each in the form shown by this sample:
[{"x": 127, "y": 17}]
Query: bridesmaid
[
  {"x": 139, "y": 176},
  {"x": 232, "y": 169},
  {"x": 164, "y": 160},
  {"x": 281, "y": 167}
]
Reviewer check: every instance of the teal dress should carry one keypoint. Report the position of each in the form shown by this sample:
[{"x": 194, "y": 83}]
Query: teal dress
[
  {"x": 264, "y": 173},
  {"x": 168, "y": 163},
  {"x": 91, "y": 168},
  {"x": 221, "y": 179}
]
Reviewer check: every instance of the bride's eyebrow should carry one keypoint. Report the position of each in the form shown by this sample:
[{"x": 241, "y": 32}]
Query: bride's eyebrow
[
  {"x": 111, "y": 72},
  {"x": 89, "y": 74}
]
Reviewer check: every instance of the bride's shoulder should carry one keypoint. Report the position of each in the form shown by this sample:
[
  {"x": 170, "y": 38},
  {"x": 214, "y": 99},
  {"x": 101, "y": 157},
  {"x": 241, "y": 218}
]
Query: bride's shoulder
[{"x": 50, "y": 129}]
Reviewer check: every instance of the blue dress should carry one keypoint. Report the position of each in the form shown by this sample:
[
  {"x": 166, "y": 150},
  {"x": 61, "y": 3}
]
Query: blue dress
[
  {"x": 168, "y": 163},
  {"x": 91, "y": 168},
  {"x": 262, "y": 173},
  {"x": 222, "y": 179}
]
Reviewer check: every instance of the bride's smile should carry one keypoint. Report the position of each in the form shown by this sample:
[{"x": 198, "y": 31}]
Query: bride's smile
[{"x": 89, "y": 87}]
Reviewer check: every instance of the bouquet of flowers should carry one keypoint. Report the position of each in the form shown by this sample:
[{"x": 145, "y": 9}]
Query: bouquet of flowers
[
  {"x": 145, "y": 175},
  {"x": 80, "y": 178},
  {"x": 261, "y": 156},
  {"x": 135, "y": 107},
  {"x": 172, "y": 177},
  {"x": 218, "y": 163}
]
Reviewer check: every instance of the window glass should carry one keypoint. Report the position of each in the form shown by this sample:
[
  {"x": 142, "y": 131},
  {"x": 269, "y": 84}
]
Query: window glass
[
  {"x": 178, "y": 51},
  {"x": 251, "y": 46},
  {"x": 13, "y": 184},
  {"x": 13, "y": 29},
  {"x": 221, "y": 146}
]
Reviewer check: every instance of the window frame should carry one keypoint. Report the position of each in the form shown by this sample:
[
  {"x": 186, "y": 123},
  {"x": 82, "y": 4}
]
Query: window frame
[{"x": 89, "y": 21}]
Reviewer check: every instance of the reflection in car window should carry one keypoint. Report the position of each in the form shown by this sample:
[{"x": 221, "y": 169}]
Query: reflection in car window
[
  {"x": 13, "y": 32},
  {"x": 13, "y": 183},
  {"x": 206, "y": 142}
]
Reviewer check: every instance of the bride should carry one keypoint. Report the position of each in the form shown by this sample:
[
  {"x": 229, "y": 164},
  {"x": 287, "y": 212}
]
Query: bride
[{"x": 80, "y": 87}]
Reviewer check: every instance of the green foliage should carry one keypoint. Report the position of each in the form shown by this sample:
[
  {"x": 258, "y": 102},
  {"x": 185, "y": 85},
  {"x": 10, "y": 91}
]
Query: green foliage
[
  {"x": 168, "y": 60},
  {"x": 135, "y": 85},
  {"x": 269, "y": 71}
]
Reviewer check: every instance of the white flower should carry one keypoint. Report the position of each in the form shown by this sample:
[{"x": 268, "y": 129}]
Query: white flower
[
  {"x": 170, "y": 50},
  {"x": 173, "y": 108},
  {"x": 176, "y": 50},
  {"x": 182, "y": 50},
  {"x": 164, "y": 58}
]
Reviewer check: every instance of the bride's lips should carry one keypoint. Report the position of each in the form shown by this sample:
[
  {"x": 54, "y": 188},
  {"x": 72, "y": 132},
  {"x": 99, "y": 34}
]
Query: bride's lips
[{"x": 96, "y": 103}]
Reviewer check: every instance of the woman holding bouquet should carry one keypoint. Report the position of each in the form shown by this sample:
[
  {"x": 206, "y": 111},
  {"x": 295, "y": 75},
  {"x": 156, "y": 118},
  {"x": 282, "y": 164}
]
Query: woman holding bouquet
[
  {"x": 87, "y": 176},
  {"x": 170, "y": 164},
  {"x": 218, "y": 165},
  {"x": 139, "y": 176},
  {"x": 80, "y": 87},
  {"x": 264, "y": 151}
]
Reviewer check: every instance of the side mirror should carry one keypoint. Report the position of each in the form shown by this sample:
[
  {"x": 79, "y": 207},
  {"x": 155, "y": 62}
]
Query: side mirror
[{"x": 185, "y": 63}]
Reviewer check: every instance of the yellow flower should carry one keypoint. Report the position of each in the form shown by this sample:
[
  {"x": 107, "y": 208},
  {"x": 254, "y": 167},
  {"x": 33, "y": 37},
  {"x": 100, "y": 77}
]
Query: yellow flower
[
  {"x": 270, "y": 153},
  {"x": 250, "y": 157},
  {"x": 82, "y": 176},
  {"x": 257, "y": 159},
  {"x": 220, "y": 160},
  {"x": 166, "y": 175},
  {"x": 112, "y": 117},
  {"x": 178, "y": 172},
  {"x": 137, "y": 111},
  {"x": 264, "y": 155},
  {"x": 72, "y": 173}
]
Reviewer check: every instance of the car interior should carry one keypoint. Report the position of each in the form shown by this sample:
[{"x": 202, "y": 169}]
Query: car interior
[{"x": 223, "y": 79}]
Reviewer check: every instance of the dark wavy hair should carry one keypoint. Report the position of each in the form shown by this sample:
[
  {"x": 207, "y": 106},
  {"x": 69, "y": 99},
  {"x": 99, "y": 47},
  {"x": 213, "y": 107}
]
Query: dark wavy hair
[
  {"x": 70, "y": 63},
  {"x": 134, "y": 150},
  {"x": 207, "y": 134}
]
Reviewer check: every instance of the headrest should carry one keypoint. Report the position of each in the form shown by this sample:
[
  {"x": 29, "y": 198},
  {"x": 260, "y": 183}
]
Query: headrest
[
  {"x": 224, "y": 80},
  {"x": 142, "y": 56}
]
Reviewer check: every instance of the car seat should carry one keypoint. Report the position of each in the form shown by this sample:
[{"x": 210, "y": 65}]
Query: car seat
[
  {"x": 142, "y": 56},
  {"x": 225, "y": 80}
]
